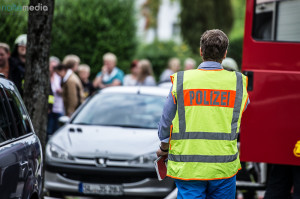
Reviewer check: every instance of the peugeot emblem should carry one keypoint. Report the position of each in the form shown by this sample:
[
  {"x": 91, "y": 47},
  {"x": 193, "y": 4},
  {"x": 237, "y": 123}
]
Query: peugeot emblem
[{"x": 101, "y": 162}]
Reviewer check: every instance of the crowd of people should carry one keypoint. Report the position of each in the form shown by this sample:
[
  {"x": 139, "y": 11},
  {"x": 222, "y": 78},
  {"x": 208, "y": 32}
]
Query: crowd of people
[{"x": 69, "y": 79}]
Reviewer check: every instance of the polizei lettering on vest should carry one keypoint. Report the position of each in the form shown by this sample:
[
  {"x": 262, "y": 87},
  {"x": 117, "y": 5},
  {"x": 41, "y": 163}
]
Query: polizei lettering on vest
[{"x": 209, "y": 97}]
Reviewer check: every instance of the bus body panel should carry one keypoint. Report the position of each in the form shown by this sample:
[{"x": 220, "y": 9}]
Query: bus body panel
[{"x": 271, "y": 124}]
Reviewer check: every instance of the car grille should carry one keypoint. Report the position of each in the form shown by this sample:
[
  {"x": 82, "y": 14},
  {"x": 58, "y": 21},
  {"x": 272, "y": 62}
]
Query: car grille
[{"x": 102, "y": 179}]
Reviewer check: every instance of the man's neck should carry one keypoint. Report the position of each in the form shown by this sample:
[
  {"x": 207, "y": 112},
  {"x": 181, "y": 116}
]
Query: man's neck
[{"x": 213, "y": 60}]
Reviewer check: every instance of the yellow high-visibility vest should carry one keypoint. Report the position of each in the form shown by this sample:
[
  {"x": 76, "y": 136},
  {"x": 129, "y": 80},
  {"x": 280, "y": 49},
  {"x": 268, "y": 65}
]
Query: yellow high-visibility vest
[{"x": 203, "y": 142}]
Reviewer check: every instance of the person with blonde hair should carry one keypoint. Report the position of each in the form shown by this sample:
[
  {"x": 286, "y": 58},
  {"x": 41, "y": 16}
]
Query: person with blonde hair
[
  {"x": 173, "y": 67},
  {"x": 84, "y": 74},
  {"x": 145, "y": 73},
  {"x": 189, "y": 64},
  {"x": 72, "y": 62},
  {"x": 110, "y": 74}
]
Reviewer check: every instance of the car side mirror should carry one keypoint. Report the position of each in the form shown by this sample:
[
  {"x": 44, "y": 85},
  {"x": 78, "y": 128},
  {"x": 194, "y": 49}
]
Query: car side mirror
[{"x": 63, "y": 120}]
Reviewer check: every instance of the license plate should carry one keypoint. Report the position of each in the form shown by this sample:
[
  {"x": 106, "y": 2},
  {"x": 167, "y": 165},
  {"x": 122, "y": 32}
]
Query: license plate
[{"x": 101, "y": 189}]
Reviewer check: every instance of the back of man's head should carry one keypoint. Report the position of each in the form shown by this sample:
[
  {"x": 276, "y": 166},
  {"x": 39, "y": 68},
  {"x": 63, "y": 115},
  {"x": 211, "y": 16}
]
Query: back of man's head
[{"x": 213, "y": 44}]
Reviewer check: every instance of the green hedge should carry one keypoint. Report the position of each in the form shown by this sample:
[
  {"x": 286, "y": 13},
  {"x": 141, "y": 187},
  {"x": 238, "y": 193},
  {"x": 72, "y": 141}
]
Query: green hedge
[
  {"x": 159, "y": 53},
  {"x": 235, "y": 50},
  {"x": 91, "y": 28}
]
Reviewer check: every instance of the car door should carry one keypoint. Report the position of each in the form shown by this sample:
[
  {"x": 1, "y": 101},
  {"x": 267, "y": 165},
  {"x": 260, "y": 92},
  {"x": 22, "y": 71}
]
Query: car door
[
  {"x": 11, "y": 152},
  {"x": 31, "y": 161}
]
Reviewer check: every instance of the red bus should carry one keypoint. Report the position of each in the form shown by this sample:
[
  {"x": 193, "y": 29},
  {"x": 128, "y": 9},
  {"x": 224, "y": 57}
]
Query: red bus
[{"x": 270, "y": 130}]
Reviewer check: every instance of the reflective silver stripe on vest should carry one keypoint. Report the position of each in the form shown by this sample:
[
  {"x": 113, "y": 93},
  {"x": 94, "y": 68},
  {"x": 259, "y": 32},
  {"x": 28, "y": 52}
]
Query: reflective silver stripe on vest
[
  {"x": 204, "y": 135},
  {"x": 203, "y": 158},
  {"x": 208, "y": 135},
  {"x": 237, "y": 102},
  {"x": 180, "y": 102}
]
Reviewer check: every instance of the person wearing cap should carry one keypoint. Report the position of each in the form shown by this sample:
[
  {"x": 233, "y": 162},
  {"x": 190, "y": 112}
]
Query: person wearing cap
[
  {"x": 19, "y": 52},
  {"x": 72, "y": 93},
  {"x": 19, "y": 57},
  {"x": 200, "y": 124}
]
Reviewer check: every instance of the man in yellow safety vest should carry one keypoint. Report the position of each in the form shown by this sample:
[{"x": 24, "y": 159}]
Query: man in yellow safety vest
[{"x": 200, "y": 124}]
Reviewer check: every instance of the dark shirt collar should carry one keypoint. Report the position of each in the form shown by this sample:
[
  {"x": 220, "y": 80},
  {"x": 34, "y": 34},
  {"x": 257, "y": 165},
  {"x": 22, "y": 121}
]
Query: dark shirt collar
[{"x": 210, "y": 65}]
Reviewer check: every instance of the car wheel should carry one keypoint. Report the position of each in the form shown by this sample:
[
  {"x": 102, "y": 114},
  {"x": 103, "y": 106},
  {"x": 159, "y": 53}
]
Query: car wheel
[{"x": 56, "y": 194}]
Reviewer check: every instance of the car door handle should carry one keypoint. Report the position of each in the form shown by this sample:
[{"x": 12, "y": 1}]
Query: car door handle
[{"x": 249, "y": 74}]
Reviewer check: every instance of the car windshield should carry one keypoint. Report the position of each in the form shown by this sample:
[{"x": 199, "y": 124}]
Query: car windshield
[{"x": 124, "y": 110}]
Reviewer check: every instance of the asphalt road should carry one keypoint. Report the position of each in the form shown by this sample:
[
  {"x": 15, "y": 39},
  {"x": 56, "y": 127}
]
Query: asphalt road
[{"x": 260, "y": 195}]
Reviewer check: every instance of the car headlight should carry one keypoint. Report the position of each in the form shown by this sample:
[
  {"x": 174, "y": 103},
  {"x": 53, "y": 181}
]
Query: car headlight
[
  {"x": 55, "y": 152},
  {"x": 144, "y": 160}
]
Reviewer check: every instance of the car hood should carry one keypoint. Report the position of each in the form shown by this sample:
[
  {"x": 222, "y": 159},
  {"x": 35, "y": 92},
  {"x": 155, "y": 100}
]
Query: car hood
[{"x": 103, "y": 141}]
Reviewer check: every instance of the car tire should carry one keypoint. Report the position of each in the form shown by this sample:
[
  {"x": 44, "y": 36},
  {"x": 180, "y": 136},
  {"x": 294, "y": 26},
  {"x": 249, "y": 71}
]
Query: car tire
[{"x": 56, "y": 194}]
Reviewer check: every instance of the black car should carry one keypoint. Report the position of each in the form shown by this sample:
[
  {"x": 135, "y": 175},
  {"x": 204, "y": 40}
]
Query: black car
[{"x": 20, "y": 149}]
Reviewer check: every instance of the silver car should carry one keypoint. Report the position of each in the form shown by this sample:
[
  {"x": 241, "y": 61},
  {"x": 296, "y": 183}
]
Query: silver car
[{"x": 108, "y": 146}]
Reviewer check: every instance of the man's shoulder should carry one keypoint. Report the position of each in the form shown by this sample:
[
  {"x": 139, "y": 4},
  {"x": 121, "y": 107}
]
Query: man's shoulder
[
  {"x": 120, "y": 72},
  {"x": 73, "y": 79}
]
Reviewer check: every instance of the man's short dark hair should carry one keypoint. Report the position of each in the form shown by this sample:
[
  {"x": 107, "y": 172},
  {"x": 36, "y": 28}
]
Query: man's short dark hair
[
  {"x": 214, "y": 44},
  {"x": 60, "y": 67}
]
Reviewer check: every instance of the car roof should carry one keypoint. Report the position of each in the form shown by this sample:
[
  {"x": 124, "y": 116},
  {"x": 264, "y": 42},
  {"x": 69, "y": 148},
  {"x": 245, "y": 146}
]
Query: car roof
[
  {"x": 146, "y": 90},
  {"x": 6, "y": 83}
]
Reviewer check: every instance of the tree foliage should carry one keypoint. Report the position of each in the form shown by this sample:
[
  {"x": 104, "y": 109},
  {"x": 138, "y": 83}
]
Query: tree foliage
[
  {"x": 13, "y": 22},
  {"x": 91, "y": 28},
  {"x": 200, "y": 15},
  {"x": 159, "y": 53}
]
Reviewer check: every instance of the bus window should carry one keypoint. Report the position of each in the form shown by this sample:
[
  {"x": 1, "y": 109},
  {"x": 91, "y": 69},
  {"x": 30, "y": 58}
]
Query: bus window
[{"x": 277, "y": 20}]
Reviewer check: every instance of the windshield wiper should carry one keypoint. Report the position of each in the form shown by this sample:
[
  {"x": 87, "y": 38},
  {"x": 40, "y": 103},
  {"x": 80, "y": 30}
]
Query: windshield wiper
[
  {"x": 81, "y": 123},
  {"x": 128, "y": 126}
]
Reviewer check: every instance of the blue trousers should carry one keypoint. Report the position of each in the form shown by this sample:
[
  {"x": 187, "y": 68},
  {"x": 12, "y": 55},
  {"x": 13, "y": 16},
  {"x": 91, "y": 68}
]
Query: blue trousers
[
  {"x": 53, "y": 124},
  {"x": 210, "y": 189}
]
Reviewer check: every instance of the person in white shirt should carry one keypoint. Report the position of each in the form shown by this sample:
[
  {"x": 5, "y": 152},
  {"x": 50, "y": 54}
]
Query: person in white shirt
[
  {"x": 131, "y": 79},
  {"x": 58, "y": 105}
]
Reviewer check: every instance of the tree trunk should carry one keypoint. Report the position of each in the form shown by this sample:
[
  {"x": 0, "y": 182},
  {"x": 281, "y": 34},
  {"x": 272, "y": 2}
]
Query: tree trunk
[{"x": 36, "y": 87}]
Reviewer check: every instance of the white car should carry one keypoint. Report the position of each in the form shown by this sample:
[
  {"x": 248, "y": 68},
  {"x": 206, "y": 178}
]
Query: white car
[{"x": 108, "y": 146}]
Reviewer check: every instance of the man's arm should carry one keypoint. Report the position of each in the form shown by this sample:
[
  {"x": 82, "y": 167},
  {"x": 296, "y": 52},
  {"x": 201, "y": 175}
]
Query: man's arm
[
  {"x": 97, "y": 81},
  {"x": 165, "y": 123}
]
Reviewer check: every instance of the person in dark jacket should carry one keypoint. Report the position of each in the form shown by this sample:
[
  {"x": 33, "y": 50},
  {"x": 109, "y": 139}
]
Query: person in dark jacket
[
  {"x": 18, "y": 56},
  {"x": 84, "y": 74}
]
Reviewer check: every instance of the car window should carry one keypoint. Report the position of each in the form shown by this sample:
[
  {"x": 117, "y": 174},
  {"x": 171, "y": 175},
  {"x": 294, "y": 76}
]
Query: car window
[
  {"x": 19, "y": 114},
  {"x": 125, "y": 110},
  {"x": 5, "y": 123}
]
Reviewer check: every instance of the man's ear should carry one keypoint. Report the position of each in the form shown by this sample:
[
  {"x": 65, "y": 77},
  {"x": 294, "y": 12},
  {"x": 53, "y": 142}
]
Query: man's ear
[
  {"x": 201, "y": 54},
  {"x": 225, "y": 55}
]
